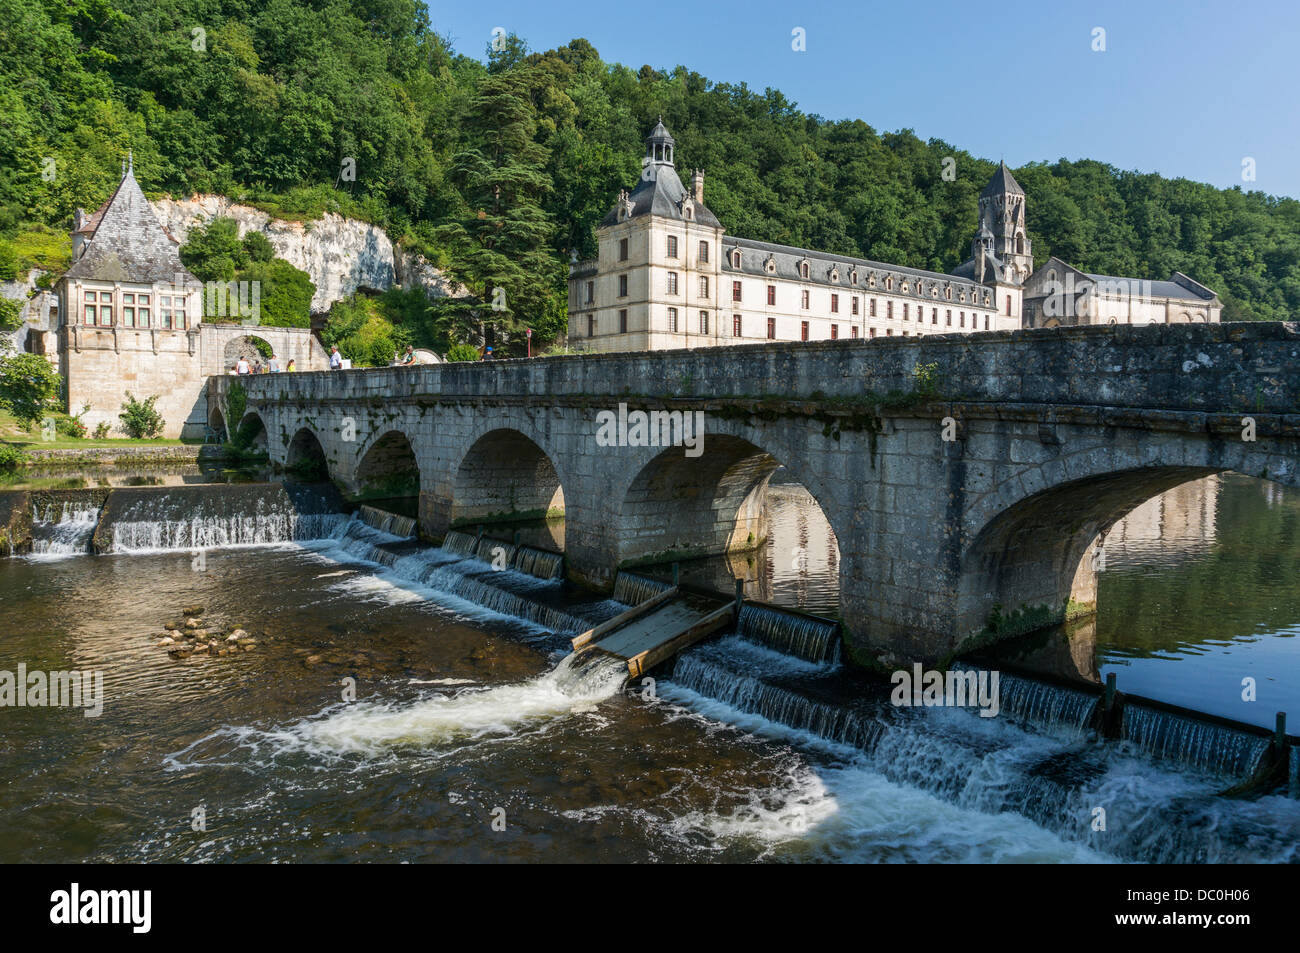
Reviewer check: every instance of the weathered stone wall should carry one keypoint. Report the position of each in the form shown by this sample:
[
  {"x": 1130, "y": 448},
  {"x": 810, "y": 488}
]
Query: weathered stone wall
[
  {"x": 1057, "y": 433},
  {"x": 102, "y": 365}
]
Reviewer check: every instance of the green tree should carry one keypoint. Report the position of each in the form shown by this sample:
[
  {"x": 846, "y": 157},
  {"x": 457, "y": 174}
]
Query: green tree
[
  {"x": 500, "y": 238},
  {"x": 28, "y": 385}
]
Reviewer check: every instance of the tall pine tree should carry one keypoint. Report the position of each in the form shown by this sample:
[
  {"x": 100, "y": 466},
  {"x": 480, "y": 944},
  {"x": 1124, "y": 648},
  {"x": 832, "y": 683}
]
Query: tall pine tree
[{"x": 501, "y": 238}]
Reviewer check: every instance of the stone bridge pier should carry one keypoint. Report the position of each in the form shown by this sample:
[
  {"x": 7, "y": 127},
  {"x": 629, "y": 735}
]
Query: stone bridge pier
[{"x": 970, "y": 481}]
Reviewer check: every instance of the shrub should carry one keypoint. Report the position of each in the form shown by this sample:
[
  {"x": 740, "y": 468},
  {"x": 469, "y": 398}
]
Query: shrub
[
  {"x": 140, "y": 419},
  {"x": 462, "y": 352},
  {"x": 11, "y": 458},
  {"x": 102, "y": 430}
]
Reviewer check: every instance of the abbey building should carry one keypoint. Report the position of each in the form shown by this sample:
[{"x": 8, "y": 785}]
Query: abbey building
[{"x": 667, "y": 276}]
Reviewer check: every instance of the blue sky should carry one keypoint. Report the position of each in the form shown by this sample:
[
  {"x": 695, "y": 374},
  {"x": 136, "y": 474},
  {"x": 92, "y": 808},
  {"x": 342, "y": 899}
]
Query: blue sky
[{"x": 1186, "y": 89}]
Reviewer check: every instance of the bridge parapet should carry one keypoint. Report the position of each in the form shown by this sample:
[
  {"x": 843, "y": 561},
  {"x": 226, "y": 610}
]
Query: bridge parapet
[{"x": 1211, "y": 367}]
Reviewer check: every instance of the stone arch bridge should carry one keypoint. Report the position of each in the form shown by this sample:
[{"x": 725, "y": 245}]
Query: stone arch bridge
[{"x": 966, "y": 478}]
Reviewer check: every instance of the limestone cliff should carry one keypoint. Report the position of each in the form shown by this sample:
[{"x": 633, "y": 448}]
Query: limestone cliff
[{"x": 340, "y": 254}]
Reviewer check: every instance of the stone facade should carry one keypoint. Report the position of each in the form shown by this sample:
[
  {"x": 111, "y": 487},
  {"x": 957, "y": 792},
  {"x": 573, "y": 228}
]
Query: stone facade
[
  {"x": 1059, "y": 433},
  {"x": 1060, "y": 294},
  {"x": 667, "y": 276},
  {"x": 131, "y": 321}
]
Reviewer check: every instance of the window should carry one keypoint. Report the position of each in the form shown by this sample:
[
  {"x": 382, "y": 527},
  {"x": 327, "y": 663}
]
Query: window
[
  {"x": 853, "y": 276},
  {"x": 622, "y": 321},
  {"x": 622, "y": 249},
  {"x": 986, "y": 322},
  {"x": 803, "y": 269},
  {"x": 905, "y": 309},
  {"x": 672, "y": 282},
  {"x": 804, "y": 296},
  {"x": 142, "y": 314},
  {"x": 704, "y": 322},
  {"x": 889, "y": 284},
  {"x": 835, "y": 332},
  {"x": 672, "y": 320},
  {"x": 771, "y": 329},
  {"x": 735, "y": 291},
  {"x": 961, "y": 319},
  {"x": 90, "y": 314},
  {"x": 948, "y": 315},
  {"x": 947, "y": 293},
  {"x": 835, "y": 304},
  {"x": 622, "y": 286},
  {"x": 872, "y": 308},
  {"x": 704, "y": 251},
  {"x": 854, "y": 305},
  {"x": 591, "y": 292},
  {"x": 871, "y": 332},
  {"x": 771, "y": 294},
  {"x": 704, "y": 286},
  {"x": 1008, "y": 305},
  {"x": 853, "y": 332},
  {"x": 128, "y": 316},
  {"x": 735, "y": 258},
  {"x": 889, "y": 310},
  {"x": 889, "y": 332},
  {"x": 803, "y": 330},
  {"x": 591, "y": 325},
  {"x": 934, "y": 315},
  {"x": 672, "y": 246},
  {"x": 736, "y": 331}
]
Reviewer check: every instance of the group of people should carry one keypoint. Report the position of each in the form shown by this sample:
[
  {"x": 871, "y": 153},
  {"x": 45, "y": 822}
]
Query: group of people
[{"x": 244, "y": 366}]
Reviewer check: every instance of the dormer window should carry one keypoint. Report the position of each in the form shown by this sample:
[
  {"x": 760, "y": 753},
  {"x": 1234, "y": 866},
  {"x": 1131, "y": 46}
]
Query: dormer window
[
  {"x": 770, "y": 265},
  {"x": 889, "y": 284},
  {"x": 871, "y": 280},
  {"x": 947, "y": 293},
  {"x": 835, "y": 274},
  {"x": 735, "y": 258},
  {"x": 803, "y": 269},
  {"x": 853, "y": 276}
]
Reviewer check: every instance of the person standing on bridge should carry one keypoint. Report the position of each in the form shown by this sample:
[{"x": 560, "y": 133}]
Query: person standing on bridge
[
  {"x": 273, "y": 365},
  {"x": 241, "y": 366},
  {"x": 336, "y": 359},
  {"x": 290, "y": 367}
]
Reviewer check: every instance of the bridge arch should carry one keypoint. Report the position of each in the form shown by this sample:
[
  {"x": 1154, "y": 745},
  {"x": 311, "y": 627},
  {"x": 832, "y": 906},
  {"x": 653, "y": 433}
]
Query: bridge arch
[
  {"x": 678, "y": 506},
  {"x": 216, "y": 419},
  {"x": 250, "y": 433},
  {"x": 388, "y": 467},
  {"x": 305, "y": 456},
  {"x": 505, "y": 475}
]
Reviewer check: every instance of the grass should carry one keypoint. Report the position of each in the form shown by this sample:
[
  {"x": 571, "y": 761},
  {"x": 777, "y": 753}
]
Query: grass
[{"x": 13, "y": 434}]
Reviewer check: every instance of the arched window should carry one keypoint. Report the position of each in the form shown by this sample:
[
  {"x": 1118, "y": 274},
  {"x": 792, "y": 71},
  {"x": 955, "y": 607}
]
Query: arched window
[
  {"x": 1020, "y": 244},
  {"x": 889, "y": 284},
  {"x": 735, "y": 258},
  {"x": 803, "y": 269},
  {"x": 947, "y": 293}
]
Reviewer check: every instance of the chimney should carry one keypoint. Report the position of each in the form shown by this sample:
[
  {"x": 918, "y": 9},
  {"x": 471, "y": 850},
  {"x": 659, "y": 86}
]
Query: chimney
[{"x": 697, "y": 187}]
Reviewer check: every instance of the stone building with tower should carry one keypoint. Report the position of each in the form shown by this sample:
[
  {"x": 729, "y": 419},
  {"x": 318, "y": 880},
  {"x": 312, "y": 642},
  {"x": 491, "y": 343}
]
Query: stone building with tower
[
  {"x": 130, "y": 319},
  {"x": 666, "y": 275}
]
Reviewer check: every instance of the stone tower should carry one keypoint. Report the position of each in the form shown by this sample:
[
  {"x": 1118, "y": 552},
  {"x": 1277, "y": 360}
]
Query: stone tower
[{"x": 1001, "y": 233}]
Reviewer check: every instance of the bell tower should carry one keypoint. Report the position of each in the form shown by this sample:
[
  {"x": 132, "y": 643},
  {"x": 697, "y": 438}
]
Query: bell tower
[{"x": 1002, "y": 224}]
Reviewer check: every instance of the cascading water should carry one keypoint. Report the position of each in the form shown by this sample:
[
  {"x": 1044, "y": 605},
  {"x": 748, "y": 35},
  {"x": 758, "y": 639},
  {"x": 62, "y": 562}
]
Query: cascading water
[
  {"x": 539, "y": 562},
  {"x": 63, "y": 527},
  {"x": 1202, "y": 744},
  {"x": 815, "y": 640},
  {"x": 462, "y": 544},
  {"x": 207, "y": 517},
  {"x": 1034, "y": 759},
  {"x": 632, "y": 589},
  {"x": 1044, "y": 704},
  {"x": 392, "y": 523},
  {"x": 371, "y": 729}
]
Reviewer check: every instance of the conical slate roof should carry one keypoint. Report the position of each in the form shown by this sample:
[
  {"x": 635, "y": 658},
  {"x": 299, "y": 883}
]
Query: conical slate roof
[
  {"x": 129, "y": 243},
  {"x": 1002, "y": 181}
]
